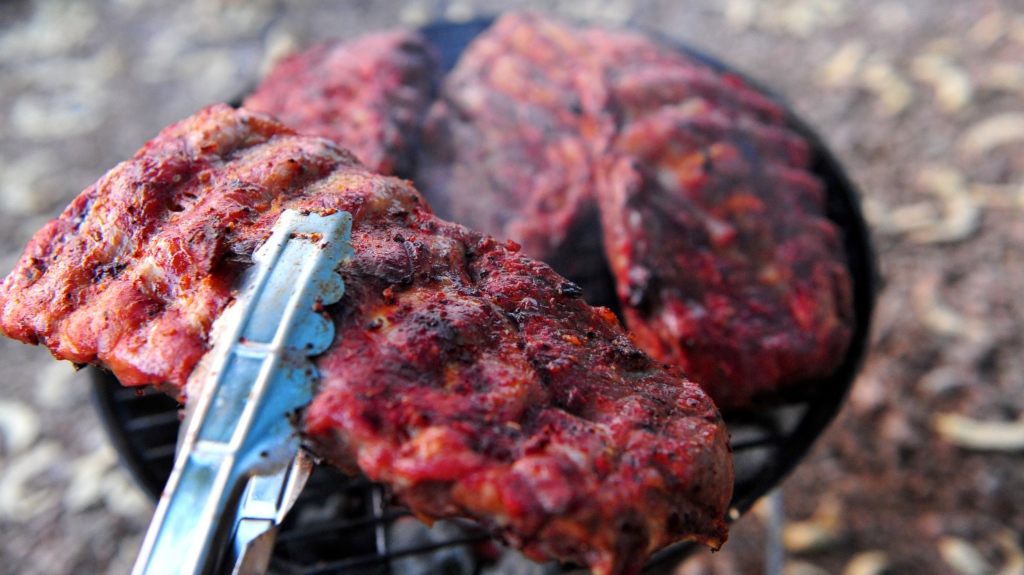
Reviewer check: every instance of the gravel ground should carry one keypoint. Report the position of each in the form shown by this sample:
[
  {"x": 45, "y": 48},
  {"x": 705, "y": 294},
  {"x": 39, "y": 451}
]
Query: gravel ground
[{"x": 922, "y": 100}]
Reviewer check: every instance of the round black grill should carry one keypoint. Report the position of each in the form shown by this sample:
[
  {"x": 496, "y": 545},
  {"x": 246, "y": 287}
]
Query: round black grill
[{"x": 346, "y": 526}]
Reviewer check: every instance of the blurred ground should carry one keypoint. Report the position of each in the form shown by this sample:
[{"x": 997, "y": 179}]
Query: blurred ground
[{"x": 922, "y": 100}]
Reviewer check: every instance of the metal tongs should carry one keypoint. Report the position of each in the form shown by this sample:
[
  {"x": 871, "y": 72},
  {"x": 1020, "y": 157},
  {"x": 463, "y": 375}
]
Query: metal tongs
[{"x": 239, "y": 465}]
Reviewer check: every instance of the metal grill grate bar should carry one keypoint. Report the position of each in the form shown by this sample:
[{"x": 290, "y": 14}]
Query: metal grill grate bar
[{"x": 340, "y": 567}]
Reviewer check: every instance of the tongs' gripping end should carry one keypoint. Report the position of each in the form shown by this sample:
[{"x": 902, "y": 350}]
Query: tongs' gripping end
[
  {"x": 264, "y": 505},
  {"x": 297, "y": 285},
  {"x": 255, "y": 377}
]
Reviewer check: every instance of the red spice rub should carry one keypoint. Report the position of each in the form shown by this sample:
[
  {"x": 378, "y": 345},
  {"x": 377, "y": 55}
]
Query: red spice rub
[
  {"x": 471, "y": 379},
  {"x": 369, "y": 95},
  {"x": 510, "y": 145},
  {"x": 133, "y": 273},
  {"x": 716, "y": 232},
  {"x": 604, "y": 150}
]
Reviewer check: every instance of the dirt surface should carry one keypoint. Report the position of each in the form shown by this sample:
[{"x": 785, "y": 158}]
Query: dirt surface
[{"x": 923, "y": 102}]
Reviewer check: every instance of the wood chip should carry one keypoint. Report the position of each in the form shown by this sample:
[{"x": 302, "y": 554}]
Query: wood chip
[
  {"x": 617, "y": 12},
  {"x": 942, "y": 380},
  {"x": 988, "y": 30},
  {"x": 578, "y": 9},
  {"x": 893, "y": 92},
  {"x": 128, "y": 550},
  {"x": 896, "y": 430},
  {"x": 867, "y": 563},
  {"x": 892, "y": 16},
  {"x": 278, "y": 43},
  {"x": 58, "y": 115},
  {"x": 869, "y": 394},
  {"x": 939, "y": 317},
  {"x": 961, "y": 213},
  {"x": 999, "y": 196},
  {"x": 95, "y": 71},
  {"x": 18, "y": 193},
  {"x": 843, "y": 66},
  {"x": 1004, "y": 76},
  {"x": 963, "y": 557},
  {"x": 818, "y": 533},
  {"x": 460, "y": 11},
  {"x": 980, "y": 435},
  {"x": 803, "y": 568},
  {"x": 989, "y": 134},
  {"x": 415, "y": 14},
  {"x": 19, "y": 426},
  {"x": 211, "y": 75},
  {"x": 55, "y": 27},
  {"x": 1015, "y": 29},
  {"x": 132, "y": 5},
  {"x": 85, "y": 487},
  {"x": 948, "y": 46},
  {"x": 224, "y": 21},
  {"x": 793, "y": 17},
  {"x": 57, "y": 386},
  {"x": 1013, "y": 564},
  {"x": 740, "y": 14},
  {"x": 122, "y": 496},
  {"x": 8, "y": 261},
  {"x": 807, "y": 537},
  {"x": 958, "y": 219},
  {"x": 20, "y": 501},
  {"x": 799, "y": 19},
  {"x": 953, "y": 86},
  {"x": 605, "y": 12},
  {"x": 900, "y": 220}
]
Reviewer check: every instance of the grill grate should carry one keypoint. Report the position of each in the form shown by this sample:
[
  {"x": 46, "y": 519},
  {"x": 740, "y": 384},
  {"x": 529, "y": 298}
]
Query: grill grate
[
  {"x": 345, "y": 526},
  {"x": 340, "y": 524}
]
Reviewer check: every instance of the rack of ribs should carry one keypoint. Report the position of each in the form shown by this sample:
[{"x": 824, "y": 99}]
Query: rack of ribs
[
  {"x": 368, "y": 95},
  {"x": 510, "y": 146},
  {"x": 471, "y": 379},
  {"x": 682, "y": 185}
]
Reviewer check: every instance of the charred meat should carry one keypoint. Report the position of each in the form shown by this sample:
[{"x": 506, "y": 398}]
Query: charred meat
[
  {"x": 715, "y": 230},
  {"x": 641, "y": 171},
  {"x": 369, "y": 95},
  {"x": 471, "y": 379},
  {"x": 510, "y": 146}
]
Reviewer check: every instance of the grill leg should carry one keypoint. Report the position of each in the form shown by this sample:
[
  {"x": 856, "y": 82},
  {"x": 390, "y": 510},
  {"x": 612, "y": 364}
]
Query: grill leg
[{"x": 774, "y": 552}]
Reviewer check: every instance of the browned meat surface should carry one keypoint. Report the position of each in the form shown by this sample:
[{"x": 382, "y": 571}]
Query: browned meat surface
[
  {"x": 600, "y": 149},
  {"x": 369, "y": 95},
  {"x": 133, "y": 273},
  {"x": 511, "y": 143},
  {"x": 471, "y": 379},
  {"x": 716, "y": 233}
]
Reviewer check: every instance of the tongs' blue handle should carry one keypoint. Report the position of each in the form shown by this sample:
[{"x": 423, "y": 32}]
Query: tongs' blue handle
[{"x": 247, "y": 390}]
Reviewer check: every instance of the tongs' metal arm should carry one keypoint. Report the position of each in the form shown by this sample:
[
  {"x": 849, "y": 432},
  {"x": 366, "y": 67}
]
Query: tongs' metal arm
[
  {"x": 244, "y": 395},
  {"x": 264, "y": 504}
]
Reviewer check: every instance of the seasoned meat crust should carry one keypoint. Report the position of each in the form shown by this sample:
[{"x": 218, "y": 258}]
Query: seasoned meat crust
[
  {"x": 471, "y": 379},
  {"x": 135, "y": 270},
  {"x": 510, "y": 146},
  {"x": 715, "y": 229},
  {"x": 726, "y": 266},
  {"x": 369, "y": 95},
  {"x": 606, "y": 151}
]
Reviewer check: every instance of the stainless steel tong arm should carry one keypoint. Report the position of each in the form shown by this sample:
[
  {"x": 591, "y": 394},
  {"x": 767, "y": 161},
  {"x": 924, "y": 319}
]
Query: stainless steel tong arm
[{"x": 243, "y": 399}]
